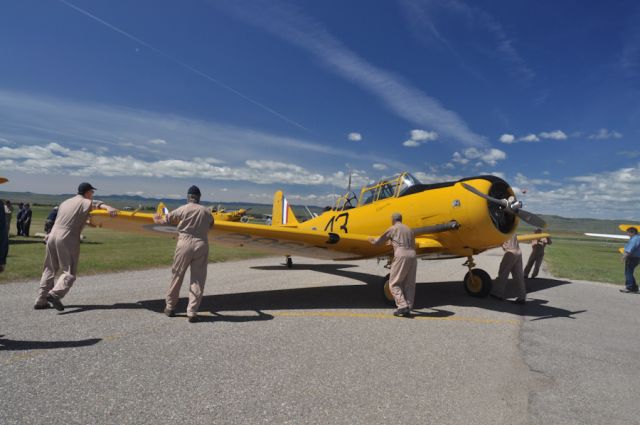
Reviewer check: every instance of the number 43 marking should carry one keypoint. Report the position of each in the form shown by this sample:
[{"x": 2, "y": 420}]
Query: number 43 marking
[{"x": 336, "y": 220}]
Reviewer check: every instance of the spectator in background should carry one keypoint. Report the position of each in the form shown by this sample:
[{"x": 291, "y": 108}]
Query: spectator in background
[
  {"x": 51, "y": 219},
  {"x": 4, "y": 240},
  {"x": 26, "y": 220},
  {"x": 19, "y": 231},
  {"x": 8, "y": 212}
]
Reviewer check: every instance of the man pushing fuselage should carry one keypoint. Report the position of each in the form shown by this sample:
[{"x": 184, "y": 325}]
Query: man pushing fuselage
[
  {"x": 63, "y": 246},
  {"x": 402, "y": 279},
  {"x": 192, "y": 250}
]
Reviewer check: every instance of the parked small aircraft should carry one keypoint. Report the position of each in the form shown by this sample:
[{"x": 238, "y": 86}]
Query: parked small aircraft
[
  {"x": 222, "y": 215},
  {"x": 622, "y": 227},
  {"x": 450, "y": 220}
]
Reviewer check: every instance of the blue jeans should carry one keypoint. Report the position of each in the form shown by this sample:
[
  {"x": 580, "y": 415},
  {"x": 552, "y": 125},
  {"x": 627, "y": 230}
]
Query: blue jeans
[{"x": 629, "y": 266}]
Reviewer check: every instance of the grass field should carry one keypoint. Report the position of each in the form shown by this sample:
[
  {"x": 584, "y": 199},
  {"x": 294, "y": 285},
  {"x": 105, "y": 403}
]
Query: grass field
[
  {"x": 579, "y": 257},
  {"x": 102, "y": 251},
  {"x": 571, "y": 256}
]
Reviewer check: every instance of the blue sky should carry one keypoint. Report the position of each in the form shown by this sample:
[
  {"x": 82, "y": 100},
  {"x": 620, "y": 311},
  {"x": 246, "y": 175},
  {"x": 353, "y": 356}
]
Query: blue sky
[{"x": 246, "y": 97}]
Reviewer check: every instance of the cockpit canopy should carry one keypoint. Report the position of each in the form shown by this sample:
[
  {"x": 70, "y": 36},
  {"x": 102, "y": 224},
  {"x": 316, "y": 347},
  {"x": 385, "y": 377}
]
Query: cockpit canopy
[{"x": 391, "y": 187}]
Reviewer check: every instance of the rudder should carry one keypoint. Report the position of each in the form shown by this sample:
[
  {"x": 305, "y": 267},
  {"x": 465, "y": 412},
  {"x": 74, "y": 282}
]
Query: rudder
[{"x": 282, "y": 214}]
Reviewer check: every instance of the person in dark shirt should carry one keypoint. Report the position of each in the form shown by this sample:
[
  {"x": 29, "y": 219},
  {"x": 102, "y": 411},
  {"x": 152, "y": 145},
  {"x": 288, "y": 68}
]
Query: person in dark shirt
[
  {"x": 51, "y": 219},
  {"x": 4, "y": 240}
]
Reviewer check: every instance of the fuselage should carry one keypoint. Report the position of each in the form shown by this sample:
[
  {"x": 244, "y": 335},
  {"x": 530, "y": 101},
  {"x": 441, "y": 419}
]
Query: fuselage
[{"x": 482, "y": 226}]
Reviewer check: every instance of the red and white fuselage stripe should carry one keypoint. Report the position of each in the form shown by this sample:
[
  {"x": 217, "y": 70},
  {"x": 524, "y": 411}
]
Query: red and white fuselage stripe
[{"x": 285, "y": 211}]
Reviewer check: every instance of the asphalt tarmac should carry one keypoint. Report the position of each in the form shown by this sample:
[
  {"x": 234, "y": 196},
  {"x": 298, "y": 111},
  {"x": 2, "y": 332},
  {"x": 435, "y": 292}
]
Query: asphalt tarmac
[{"x": 316, "y": 345}]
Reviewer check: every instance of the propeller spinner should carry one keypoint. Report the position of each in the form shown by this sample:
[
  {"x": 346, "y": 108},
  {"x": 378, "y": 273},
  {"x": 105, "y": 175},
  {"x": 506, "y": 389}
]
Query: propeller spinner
[{"x": 511, "y": 206}]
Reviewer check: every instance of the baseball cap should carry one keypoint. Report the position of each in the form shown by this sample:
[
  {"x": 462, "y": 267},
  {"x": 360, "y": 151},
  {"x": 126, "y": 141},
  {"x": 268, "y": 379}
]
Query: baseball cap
[{"x": 84, "y": 187}]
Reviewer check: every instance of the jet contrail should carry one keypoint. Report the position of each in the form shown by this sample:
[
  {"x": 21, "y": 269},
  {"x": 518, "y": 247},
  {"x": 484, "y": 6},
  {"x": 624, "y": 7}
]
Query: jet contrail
[{"x": 183, "y": 64}]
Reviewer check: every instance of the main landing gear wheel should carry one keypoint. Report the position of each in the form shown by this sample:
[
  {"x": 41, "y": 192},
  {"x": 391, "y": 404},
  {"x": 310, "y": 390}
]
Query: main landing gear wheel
[
  {"x": 289, "y": 262},
  {"x": 477, "y": 283},
  {"x": 386, "y": 292}
]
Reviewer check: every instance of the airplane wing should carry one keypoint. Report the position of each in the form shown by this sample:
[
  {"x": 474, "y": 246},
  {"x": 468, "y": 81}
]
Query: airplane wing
[
  {"x": 608, "y": 236},
  {"x": 532, "y": 236},
  {"x": 273, "y": 239}
]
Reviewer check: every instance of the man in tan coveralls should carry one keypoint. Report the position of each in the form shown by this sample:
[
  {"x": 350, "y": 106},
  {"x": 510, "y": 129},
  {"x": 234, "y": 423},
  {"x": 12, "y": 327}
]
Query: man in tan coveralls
[
  {"x": 63, "y": 247},
  {"x": 511, "y": 263},
  {"x": 537, "y": 254},
  {"x": 402, "y": 279},
  {"x": 192, "y": 250}
]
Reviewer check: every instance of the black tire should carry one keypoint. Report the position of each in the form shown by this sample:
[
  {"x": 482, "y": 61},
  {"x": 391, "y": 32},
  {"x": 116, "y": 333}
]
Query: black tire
[
  {"x": 386, "y": 292},
  {"x": 477, "y": 283},
  {"x": 289, "y": 262}
]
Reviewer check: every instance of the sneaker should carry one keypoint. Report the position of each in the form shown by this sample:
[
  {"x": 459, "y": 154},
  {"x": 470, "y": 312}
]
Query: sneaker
[
  {"x": 519, "y": 301},
  {"x": 628, "y": 291},
  {"x": 169, "y": 313},
  {"x": 41, "y": 306},
  {"x": 402, "y": 312},
  {"x": 193, "y": 319},
  {"x": 55, "y": 302}
]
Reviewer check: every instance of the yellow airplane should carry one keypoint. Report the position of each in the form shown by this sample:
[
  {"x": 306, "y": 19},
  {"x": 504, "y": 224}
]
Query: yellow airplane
[
  {"x": 450, "y": 220},
  {"x": 222, "y": 215}
]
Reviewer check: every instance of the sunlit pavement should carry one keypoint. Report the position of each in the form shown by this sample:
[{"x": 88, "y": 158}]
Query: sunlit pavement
[{"x": 316, "y": 344}]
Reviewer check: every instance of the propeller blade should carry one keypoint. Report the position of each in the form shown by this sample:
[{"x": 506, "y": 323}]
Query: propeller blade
[
  {"x": 472, "y": 189},
  {"x": 531, "y": 218}
]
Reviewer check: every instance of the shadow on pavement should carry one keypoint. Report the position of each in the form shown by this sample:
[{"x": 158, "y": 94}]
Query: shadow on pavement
[
  {"x": 346, "y": 295},
  {"x": 16, "y": 345}
]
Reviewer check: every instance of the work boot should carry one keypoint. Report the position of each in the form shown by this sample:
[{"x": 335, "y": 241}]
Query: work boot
[
  {"x": 41, "y": 306},
  {"x": 628, "y": 291},
  {"x": 169, "y": 312},
  {"x": 402, "y": 312},
  {"x": 55, "y": 302},
  {"x": 193, "y": 319}
]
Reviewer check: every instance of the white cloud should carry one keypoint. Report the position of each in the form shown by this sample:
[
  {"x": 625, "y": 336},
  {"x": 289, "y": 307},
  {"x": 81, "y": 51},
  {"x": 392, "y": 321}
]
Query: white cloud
[
  {"x": 422, "y": 16},
  {"x": 604, "y": 134},
  {"x": 398, "y": 95},
  {"x": 529, "y": 138},
  {"x": 379, "y": 167},
  {"x": 157, "y": 142},
  {"x": 555, "y": 135},
  {"x": 507, "y": 138},
  {"x": 610, "y": 194},
  {"x": 57, "y": 159},
  {"x": 422, "y": 135},
  {"x": 418, "y": 137},
  {"x": 355, "y": 137},
  {"x": 485, "y": 156},
  {"x": 410, "y": 143}
]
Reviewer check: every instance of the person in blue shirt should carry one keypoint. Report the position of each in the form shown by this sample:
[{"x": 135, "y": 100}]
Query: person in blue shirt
[{"x": 631, "y": 259}]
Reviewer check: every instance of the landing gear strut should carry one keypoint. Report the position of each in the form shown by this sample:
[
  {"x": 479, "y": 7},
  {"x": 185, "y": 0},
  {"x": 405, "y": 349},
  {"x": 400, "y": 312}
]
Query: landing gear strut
[
  {"x": 289, "y": 262},
  {"x": 387, "y": 296},
  {"x": 476, "y": 282}
]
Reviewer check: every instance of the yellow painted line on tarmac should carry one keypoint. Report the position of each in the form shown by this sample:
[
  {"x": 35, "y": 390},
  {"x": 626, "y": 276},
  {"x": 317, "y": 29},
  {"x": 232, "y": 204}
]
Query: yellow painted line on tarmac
[{"x": 390, "y": 316}]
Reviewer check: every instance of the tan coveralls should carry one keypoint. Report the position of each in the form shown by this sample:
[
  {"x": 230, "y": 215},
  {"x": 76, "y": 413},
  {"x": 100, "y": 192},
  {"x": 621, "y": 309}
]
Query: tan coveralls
[
  {"x": 511, "y": 263},
  {"x": 192, "y": 249},
  {"x": 535, "y": 259},
  {"x": 63, "y": 248},
  {"x": 402, "y": 279}
]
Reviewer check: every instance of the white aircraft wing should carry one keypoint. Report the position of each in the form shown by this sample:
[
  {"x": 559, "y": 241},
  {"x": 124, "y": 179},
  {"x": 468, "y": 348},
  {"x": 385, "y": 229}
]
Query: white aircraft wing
[{"x": 605, "y": 235}]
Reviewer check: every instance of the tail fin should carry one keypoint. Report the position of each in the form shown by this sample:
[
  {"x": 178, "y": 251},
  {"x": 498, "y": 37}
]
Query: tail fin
[
  {"x": 162, "y": 210},
  {"x": 282, "y": 212}
]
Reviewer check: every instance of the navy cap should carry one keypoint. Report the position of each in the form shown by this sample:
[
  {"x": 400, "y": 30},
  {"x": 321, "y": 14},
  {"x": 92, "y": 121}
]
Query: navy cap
[
  {"x": 194, "y": 190},
  {"x": 84, "y": 188}
]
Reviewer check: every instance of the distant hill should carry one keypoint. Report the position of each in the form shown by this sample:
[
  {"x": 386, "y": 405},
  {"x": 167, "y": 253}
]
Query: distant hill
[
  {"x": 148, "y": 204},
  {"x": 555, "y": 223}
]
